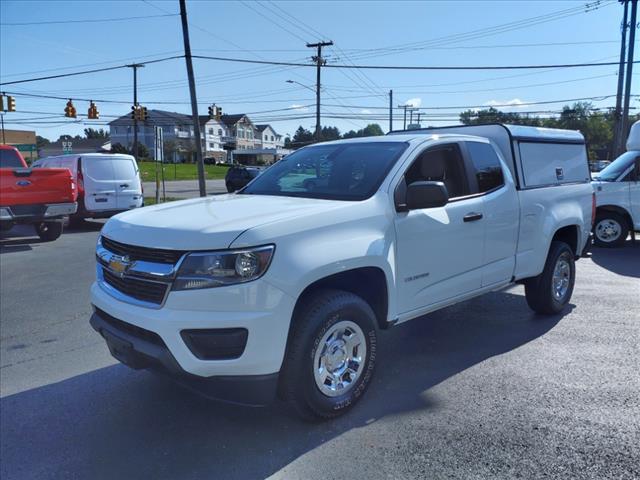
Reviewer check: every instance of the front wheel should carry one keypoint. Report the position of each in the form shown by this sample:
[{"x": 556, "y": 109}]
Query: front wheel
[
  {"x": 550, "y": 292},
  {"x": 49, "y": 231},
  {"x": 331, "y": 355},
  {"x": 610, "y": 229}
]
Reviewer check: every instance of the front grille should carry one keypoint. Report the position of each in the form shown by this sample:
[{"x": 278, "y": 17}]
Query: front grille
[
  {"x": 133, "y": 330},
  {"x": 142, "y": 253},
  {"x": 151, "y": 292}
]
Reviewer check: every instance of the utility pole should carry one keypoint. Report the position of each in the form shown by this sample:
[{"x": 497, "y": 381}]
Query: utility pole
[
  {"x": 319, "y": 62},
  {"x": 135, "y": 67},
  {"x": 2, "y": 119},
  {"x": 404, "y": 121},
  {"x": 627, "y": 89},
  {"x": 391, "y": 110},
  {"x": 194, "y": 102},
  {"x": 617, "y": 128}
]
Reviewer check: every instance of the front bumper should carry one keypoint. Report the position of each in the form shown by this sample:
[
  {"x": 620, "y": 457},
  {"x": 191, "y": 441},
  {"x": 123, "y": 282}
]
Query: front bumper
[
  {"x": 37, "y": 213},
  {"x": 258, "y": 307},
  {"x": 139, "y": 348}
]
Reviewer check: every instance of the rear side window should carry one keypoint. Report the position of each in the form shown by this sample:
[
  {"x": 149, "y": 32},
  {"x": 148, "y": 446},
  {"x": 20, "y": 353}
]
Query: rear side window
[
  {"x": 10, "y": 159},
  {"x": 123, "y": 169},
  {"x": 444, "y": 164},
  {"x": 486, "y": 165},
  {"x": 98, "y": 169}
]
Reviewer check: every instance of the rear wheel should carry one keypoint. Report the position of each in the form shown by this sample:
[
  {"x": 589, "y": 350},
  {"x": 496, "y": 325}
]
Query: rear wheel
[
  {"x": 49, "y": 231},
  {"x": 331, "y": 355},
  {"x": 550, "y": 292},
  {"x": 610, "y": 229}
]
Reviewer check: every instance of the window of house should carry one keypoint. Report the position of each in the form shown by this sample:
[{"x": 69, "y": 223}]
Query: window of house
[
  {"x": 211, "y": 131},
  {"x": 212, "y": 145},
  {"x": 220, "y": 131},
  {"x": 486, "y": 165},
  {"x": 272, "y": 138},
  {"x": 442, "y": 163}
]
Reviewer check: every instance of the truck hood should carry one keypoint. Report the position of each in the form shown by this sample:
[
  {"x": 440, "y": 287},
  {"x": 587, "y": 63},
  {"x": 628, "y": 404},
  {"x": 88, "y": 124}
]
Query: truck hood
[{"x": 207, "y": 223}]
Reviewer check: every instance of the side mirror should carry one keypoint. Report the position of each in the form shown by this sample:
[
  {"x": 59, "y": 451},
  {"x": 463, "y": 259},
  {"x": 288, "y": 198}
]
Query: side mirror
[{"x": 426, "y": 195}]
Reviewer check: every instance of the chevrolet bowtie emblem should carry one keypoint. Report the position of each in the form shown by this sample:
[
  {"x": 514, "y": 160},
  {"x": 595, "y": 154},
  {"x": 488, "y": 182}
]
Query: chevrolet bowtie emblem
[{"x": 119, "y": 264}]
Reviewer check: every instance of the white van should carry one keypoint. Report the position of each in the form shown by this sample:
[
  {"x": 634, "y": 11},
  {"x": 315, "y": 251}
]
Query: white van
[
  {"x": 107, "y": 183},
  {"x": 618, "y": 196}
]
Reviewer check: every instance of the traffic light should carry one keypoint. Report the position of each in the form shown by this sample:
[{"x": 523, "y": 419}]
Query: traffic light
[
  {"x": 211, "y": 111},
  {"x": 134, "y": 112},
  {"x": 142, "y": 113},
  {"x": 1, "y": 103},
  {"x": 11, "y": 104},
  {"x": 70, "y": 110},
  {"x": 218, "y": 113},
  {"x": 93, "y": 113}
]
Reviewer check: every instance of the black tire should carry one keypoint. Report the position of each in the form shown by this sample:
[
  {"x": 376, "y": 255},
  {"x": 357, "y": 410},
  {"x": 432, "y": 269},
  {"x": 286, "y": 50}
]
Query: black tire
[
  {"x": 49, "y": 231},
  {"x": 315, "y": 318},
  {"x": 539, "y": 291},
  {"x": 616, "y": 223}
]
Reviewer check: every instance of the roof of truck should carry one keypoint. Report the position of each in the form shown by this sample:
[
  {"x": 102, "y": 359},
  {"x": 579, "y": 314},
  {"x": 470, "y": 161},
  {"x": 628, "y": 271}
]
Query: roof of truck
[{"x": 519, "y": 132}]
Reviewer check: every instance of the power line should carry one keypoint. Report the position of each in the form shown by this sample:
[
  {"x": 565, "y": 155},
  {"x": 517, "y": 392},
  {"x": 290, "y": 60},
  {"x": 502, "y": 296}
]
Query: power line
[
  {"x": 411, "y": 67},
  {"x": 87, "y": 20},
  {"x": 96, "y": 70}
]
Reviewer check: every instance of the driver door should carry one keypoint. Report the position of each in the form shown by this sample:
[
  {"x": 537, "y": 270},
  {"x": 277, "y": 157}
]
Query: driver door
[{"x": 439, "y": 252}]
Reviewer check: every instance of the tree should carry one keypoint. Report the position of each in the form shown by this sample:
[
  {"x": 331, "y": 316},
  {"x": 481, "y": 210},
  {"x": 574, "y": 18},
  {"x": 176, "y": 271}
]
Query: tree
[
  {"x": 41, "y": 142},
  {"x": 119, "y": 148},
  {"x": 170, "y": 148},
  {"x": 301, "y": 138},
  {"x": 371, "y": 130},
  {"x": 95, "y": 133},
  {"x": 143, "y": 151},
  {"x": 329, "y": 133}
]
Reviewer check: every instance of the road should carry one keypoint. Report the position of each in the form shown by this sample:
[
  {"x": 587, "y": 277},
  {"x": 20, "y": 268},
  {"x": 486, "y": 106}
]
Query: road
[
  {"x": 184, "y": 188},
  {"x": 483, "y": 389}
]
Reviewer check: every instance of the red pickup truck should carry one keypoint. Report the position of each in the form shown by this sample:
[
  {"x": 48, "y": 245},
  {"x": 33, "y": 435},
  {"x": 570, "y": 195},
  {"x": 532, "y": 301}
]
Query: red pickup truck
[{"x": 42, "y": 197}]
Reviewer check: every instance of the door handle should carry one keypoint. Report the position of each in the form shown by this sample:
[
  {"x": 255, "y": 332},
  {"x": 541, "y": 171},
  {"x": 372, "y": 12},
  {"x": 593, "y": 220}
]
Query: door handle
[
  {"x": 472, "y": 217},
  {"x": 124, "y": 185}
]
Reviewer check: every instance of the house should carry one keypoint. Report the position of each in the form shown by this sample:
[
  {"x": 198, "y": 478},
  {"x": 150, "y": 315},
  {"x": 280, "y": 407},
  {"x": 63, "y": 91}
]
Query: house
[
  {"x": 74, "y": 145},
  {"x": 225, "y": 139},
  {"x": 268, "y": 138},
  {"x": 177, "y": 131}
]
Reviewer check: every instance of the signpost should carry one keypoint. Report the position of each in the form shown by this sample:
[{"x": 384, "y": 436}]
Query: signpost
[{"x": 159, "y": 158}]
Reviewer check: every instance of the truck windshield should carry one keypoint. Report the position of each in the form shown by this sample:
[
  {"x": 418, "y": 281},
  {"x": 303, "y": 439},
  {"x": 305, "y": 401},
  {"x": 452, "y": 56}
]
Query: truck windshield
[
  {"x": 347, "y": 171},
  {"x": 617, "y": 167},
  {"x": 10, "y": 159}
]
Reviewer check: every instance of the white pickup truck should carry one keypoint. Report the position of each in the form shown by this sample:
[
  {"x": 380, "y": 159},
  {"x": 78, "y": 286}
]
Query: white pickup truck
[
  {"x": 281, "y": 288},
  {"x": 618, "y": 195}
]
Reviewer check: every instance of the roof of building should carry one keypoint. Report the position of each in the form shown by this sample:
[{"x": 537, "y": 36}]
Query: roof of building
[
  {"x": 231, "y": 120},
  {"x": 159, "y": 117}
]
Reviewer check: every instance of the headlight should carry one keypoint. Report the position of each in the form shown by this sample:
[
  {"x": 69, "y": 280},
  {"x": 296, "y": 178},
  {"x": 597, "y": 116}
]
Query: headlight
[{"x": 217, "y": 269}]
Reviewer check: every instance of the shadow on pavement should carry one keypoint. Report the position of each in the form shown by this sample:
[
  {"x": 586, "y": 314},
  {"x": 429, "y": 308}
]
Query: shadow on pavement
[
  {"x": 118, "y": 423},
  {"x": 21, "y": 237},
  {"x": 624, "y": 260}
]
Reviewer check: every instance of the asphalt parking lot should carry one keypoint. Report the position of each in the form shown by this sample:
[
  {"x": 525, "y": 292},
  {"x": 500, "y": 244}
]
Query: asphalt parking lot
[{"x": 483, "y": 389}]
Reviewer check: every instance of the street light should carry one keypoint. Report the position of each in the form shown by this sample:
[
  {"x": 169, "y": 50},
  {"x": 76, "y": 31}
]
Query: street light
[{"x": 302, "y": 85}]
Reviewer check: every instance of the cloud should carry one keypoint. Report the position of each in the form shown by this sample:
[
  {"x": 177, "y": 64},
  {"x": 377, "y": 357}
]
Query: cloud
[
  {"x": 364, "y": 110},
  {"x": 512, "y": 104},
  {"x": 300, "y": 108},
  {"x": 414, "y": 102}
]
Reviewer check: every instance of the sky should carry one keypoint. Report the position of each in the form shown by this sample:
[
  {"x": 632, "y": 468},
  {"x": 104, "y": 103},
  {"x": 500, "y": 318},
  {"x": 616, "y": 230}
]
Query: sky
[{"x": 429, "y": 33}]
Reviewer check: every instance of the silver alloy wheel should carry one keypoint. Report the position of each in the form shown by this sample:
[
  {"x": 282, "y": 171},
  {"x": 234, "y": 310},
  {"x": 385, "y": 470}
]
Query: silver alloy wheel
[
  {"x": 339, "y": 359},
  {"x": 608, "y": 230},
  {"x": 561, "y": 277}
]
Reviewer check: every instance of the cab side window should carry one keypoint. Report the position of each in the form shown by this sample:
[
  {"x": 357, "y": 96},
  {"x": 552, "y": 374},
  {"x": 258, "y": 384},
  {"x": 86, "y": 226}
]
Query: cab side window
[
  {"x": 441, "y": 164},
  {"x": 486, "y": 164}
]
